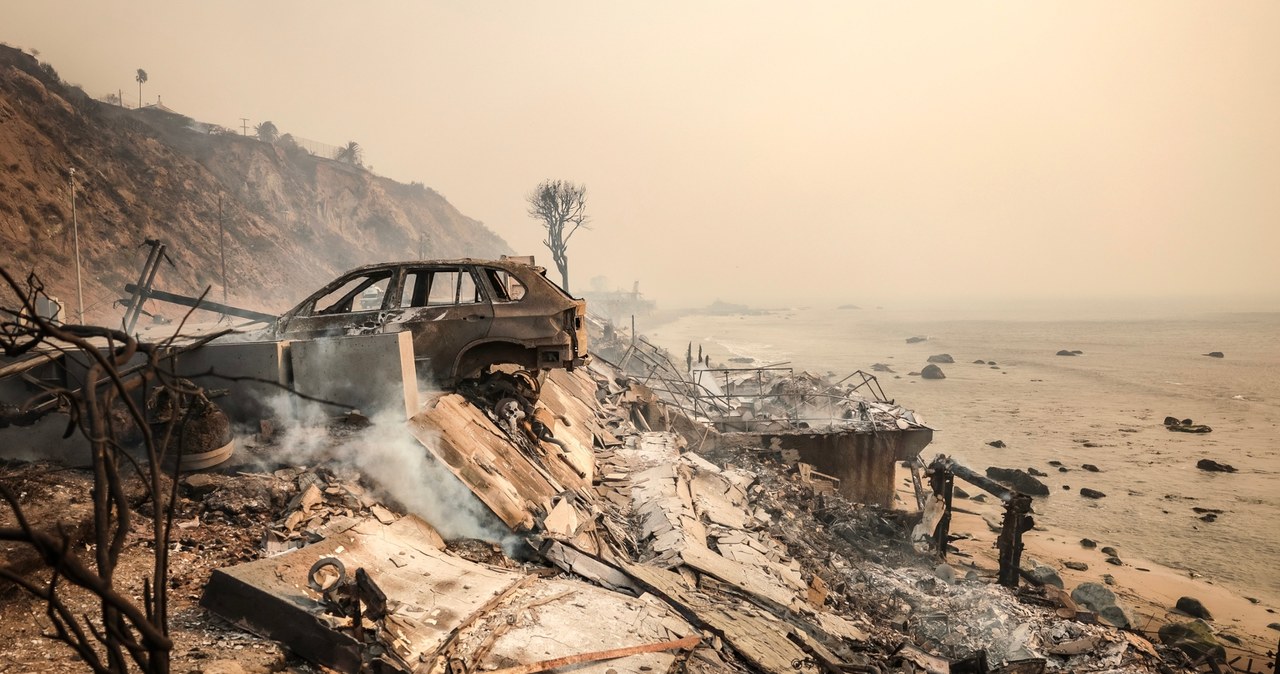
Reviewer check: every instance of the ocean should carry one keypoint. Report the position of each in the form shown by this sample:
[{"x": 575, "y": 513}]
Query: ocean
[{"x": 1133, "y": 372}]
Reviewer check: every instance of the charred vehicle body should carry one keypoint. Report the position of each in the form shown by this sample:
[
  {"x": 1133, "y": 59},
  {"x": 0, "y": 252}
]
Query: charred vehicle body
[{"x": 465, "y": 315}]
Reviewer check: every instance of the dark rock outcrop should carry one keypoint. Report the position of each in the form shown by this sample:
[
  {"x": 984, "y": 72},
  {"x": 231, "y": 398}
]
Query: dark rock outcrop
[
  {"x": 932, "y": 371},
  {"x": 1091, "y": 493},
  {"x": 1193, "y": 638},
  {"x": 1192, "y": 607},
  {"x": 1046, "y": 575},
  {"x": 1215, "y": 467},
  {"x": 1185, "y": 426},
  {"x": 1100, "y": 600},
  {"x": 1019, "y": 480}
]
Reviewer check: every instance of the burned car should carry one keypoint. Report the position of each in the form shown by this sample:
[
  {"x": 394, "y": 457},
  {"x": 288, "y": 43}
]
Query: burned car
[{"x": 465, "y": 315}]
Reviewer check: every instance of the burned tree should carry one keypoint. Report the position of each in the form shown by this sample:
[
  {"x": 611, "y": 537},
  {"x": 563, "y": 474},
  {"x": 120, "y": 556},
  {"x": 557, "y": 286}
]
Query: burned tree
[
  {"x": 110, "y": 405},
  {"x": 561, "y": 206}
]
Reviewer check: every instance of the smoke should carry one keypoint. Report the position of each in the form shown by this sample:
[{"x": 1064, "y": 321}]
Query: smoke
[{"x": 397, "y": 465}]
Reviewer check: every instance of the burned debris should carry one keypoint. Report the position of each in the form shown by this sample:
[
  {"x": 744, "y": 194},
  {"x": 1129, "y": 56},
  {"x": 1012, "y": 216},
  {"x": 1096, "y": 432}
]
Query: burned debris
[{"x": 636, "y": 519}]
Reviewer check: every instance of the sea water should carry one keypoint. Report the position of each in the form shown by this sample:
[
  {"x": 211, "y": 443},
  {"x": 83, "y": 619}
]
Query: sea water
[{"x": 1105, "y": 407}]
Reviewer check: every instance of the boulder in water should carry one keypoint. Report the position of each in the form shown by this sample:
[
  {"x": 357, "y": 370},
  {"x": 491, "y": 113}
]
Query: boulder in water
[
  {"x": 1215, "y": 354},
  {"x": 917, "y": 340},
  {"x": 932, "y": 371},
  {"x": 943, "y": 358},
  {"x": 1091, "y": 493},
  {"x": 998, "y": 444},
  {"x": 881, "y": 367}
]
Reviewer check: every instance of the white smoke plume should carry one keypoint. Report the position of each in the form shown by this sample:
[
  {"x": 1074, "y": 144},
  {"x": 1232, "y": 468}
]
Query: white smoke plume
[{"x": 393, "y": 461}]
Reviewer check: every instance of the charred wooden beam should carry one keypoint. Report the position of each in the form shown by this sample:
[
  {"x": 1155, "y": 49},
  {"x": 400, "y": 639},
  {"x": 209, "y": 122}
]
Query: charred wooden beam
[
  {"x": 942, "y": 481},
  {"x": 1017, "y": 520}
]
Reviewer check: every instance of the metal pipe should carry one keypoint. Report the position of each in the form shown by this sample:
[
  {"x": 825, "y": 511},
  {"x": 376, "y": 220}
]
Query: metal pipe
[
  {"x": 203, "y": 304},
  {"x": 75, "y": 226}
]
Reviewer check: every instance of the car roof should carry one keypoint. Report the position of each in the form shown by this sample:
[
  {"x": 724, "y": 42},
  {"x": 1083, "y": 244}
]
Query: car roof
[{"x": 380, "y": 266}]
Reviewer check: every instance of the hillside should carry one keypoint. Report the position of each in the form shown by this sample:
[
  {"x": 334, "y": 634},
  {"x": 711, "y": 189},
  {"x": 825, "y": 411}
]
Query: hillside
[{"x": 292, "y": 220}]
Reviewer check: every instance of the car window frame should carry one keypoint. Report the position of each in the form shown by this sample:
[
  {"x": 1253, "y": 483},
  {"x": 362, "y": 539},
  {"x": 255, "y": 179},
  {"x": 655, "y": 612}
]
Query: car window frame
[
  {"x": 497, "y": 292},
  {"x": 482, "y": 293},
  {"x": 378, "y": 274}
]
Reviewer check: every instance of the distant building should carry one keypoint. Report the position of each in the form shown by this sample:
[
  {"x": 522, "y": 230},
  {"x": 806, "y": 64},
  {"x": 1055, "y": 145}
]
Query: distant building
[{"x": 619, "y": 305}]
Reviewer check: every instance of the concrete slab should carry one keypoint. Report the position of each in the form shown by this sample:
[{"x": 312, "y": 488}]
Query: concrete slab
[
  {"x": 246, "y": 401},
  {"x": 365, "y": 372},
  {"x": 431, "y": 593}
]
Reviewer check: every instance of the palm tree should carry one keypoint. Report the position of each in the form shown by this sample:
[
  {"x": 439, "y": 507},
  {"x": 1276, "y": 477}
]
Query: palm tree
[
  {"x": 267, "y": 132},
  {"x": 141, "y": 77},
  {"x": 349, "y": 153}
]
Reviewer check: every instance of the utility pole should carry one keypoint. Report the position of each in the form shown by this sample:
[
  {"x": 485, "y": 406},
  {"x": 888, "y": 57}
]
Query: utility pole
[
  {"x": 244, "y": 126},
  {"x": 222, "y": 249},
  {"x": 75, "y": 228}
]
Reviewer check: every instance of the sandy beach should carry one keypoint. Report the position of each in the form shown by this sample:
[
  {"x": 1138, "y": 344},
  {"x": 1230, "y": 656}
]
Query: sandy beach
[{"x": 1104, "y": 408}]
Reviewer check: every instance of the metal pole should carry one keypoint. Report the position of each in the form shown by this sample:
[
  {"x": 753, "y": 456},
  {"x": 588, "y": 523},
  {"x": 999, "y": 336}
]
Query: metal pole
[
  {"x": 222, "y": 249},
  {"x": 75, "y": 226}
]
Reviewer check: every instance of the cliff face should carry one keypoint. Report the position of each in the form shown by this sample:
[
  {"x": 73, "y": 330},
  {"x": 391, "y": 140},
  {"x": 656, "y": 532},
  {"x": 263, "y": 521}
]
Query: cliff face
[{"x": 292, "y": 221}]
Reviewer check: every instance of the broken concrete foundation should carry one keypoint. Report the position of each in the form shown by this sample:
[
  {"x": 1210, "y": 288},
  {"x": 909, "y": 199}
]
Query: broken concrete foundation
[{"x": 864, "y": 462}]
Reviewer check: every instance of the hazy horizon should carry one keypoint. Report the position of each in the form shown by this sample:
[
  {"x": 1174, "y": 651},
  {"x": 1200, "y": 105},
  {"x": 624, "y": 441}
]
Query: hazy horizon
[{"x": 910, "y": 154}]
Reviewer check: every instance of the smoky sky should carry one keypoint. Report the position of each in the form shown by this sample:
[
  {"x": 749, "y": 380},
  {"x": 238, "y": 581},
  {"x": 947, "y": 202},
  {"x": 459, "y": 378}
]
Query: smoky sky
[{"x": 773, "y": 152}]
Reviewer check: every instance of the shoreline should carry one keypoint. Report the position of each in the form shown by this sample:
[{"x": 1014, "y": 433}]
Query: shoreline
[
  {"x": 1146, "y": 590},
  {"x": 1104, "y": 409}
]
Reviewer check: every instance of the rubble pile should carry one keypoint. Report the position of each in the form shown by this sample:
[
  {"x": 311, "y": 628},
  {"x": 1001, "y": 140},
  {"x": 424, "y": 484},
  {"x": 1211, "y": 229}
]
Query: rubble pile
[
  {"x": 322, "y": 503},
  {"x": 653, "y": 551}
]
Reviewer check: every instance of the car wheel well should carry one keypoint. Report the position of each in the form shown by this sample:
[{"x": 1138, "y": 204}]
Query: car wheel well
[{"x": 473, "y": 360}]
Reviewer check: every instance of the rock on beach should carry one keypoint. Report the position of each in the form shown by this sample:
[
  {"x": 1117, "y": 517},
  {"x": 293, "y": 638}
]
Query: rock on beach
[
  {"x": 1019, "y": 480},
  {"x": 1214, "y": 467}
]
